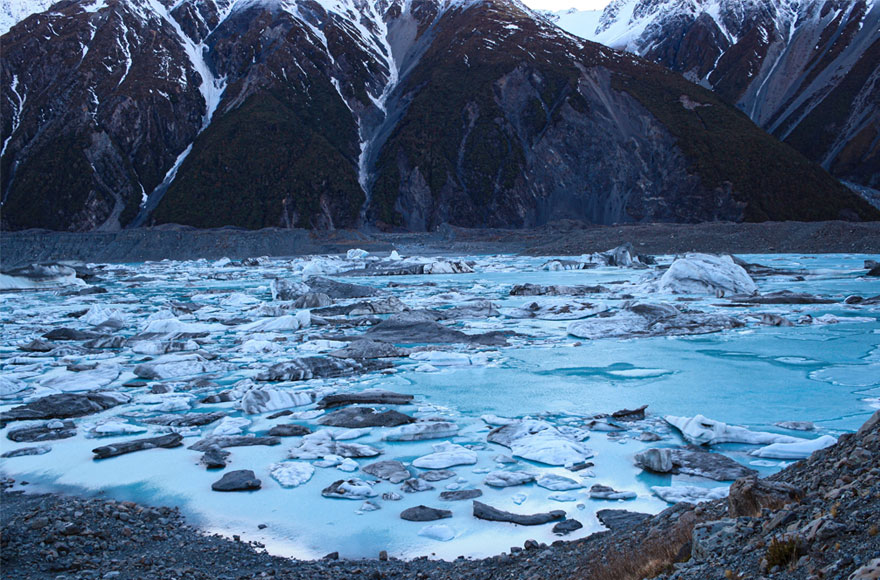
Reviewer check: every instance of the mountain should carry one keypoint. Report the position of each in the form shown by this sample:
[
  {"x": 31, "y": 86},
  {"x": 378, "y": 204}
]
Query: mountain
[
  {"x": 344, "y": 113},
  {"x": 808, "y": 71}
]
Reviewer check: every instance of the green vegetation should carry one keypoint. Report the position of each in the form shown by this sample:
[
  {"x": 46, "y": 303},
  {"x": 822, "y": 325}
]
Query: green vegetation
[
  {"x": 281, "y": 158},
  {"x": 52, "y": 187},
  {"x": 782, "y": 552}
]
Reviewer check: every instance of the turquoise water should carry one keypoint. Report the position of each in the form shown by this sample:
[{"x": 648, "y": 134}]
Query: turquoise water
[{"x": 755, "y": 376}]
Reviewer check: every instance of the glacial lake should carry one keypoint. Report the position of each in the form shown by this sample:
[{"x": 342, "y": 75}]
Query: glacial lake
[{"x": 218, "y": 322}]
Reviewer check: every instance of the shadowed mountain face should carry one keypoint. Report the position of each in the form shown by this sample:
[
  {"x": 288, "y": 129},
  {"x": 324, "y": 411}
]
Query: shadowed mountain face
[
  {"x": 805, "y": 70},
  {"x": 345, "y": 113}
]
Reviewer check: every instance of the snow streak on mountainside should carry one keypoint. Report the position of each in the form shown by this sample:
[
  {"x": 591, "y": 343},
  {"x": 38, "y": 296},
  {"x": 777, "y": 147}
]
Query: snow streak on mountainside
[
  {"x": 343, "y": 113},
  {"x": 805, "y": 70}
]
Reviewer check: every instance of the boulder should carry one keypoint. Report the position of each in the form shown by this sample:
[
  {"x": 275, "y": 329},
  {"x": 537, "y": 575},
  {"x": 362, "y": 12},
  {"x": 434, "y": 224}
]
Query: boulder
[
  {"x": 421, "y": 513},
  {"x": 415, "y": 485},
  {"x": 289, "y": 430},
  {"x": 599, "y": 491},
  {"x": 214, "y": 457},
  {"x": 186, "y": 419},
  {"x": 306, "y": 368},
  {"x": 71, "y": 334},
  {"x": 164, "y": 441},
  {"x": 621, "y": 520},
  {"x": 27, "y": 451},
  {"x": 555, "y": 290},
  {"x": 392, "y": 471},
  {"x": 460, "y": 494},
  {"x": 239, "y": 480},
  {"x": 340, "y": 290},
  {"x": 232, "y": 441},
  {"x": 389, "y": 305},
  {"x": 687, "y": 462},
  {"x": 486, "y": 512},
  {"x": 749, "y": 495},
  {"x": 54, "y": 429},
  {"x": 358, "y": 417},
  {"x": 373, "y": 397},
  {"x": 63, "y": 406},
  {"x": 419, "y": 327},
  {"x": 566, "y": 527},
  {"x": 369, "y": 349},
  {"x": 630, "y": 414}
]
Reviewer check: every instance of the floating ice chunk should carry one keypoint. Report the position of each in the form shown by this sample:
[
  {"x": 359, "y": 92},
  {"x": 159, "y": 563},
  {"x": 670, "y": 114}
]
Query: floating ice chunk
[
  {"x": 599, "y": 491},
  {"x": 519, "y": 498},
  {"x": 9, "y": 386},
  {"x": 317, "y": 346},
  {"x": 689, "y": 493},
  {"x": 703, "y": 273},
  {"x": 394, "y": 255},
  {"x": 797, "y": 425},
  {"x": 329, "y": 461},
  {"x": 99, "y": 314},
  {"x": 301, "y": 319},
  {"x": 540, "y": 441},
  {"x": 175, "y": 365},
  {"x": 439, "y": 532},
  {"x": 349, "y": 434},
  {"x": 348, "y": 465},
  {"x": 254, "y": 346},
  {"x": 114, "y": 427},
  {"x": 173, "y": 325},
  {"x": 700, "y": 430},
  {"x": 832, "y": 319},
  {"x": 799, "y": 450},
  {"x": 321, "y": 443},
  {"x": 450, "y": 359},
  {"x": 557, "y": 482},
  {"x": 426, "y": 368},
  {"x": 36, "y": 276},
  {"x": 446, "y": 455},
  {"x": 508, "y": 478},
  {"x": 356, "y": 254},
  {"x": 239, "y": 300},
  {"x": 421, "y": 430},
  {"x": 443, "y": 267},
  {"x": 291, "y": 473},
  {"x": 349, "y": 489},
  {"x": 67, "y": 381},
  {"x": 224, "y": 261},
  {"x": 288, "y": 289},
  {"x": 257, "y": 400},
  {"x": 496, "y": 421},
  {"x": 231, "y": 426}
]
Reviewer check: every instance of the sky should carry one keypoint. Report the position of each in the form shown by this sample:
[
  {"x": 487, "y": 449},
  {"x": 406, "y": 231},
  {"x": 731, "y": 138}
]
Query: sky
[{"x": 565, "y": 4}]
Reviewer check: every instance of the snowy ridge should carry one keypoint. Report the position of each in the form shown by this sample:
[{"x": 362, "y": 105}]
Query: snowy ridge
[{"x": 14, "y": 11}]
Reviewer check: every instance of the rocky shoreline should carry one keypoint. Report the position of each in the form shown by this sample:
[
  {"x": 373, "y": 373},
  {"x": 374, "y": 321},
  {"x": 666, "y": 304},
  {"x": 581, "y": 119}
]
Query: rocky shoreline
[
  {"x": 558, "y": 238},
  {"x": 816, "y": 519}
]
